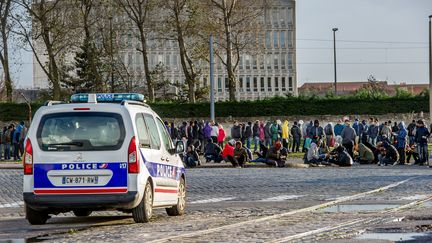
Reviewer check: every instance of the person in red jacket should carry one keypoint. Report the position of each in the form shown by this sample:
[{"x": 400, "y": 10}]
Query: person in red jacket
[
  {"x": 228, "y": 151},
  {"x": 221, "y": 136}
]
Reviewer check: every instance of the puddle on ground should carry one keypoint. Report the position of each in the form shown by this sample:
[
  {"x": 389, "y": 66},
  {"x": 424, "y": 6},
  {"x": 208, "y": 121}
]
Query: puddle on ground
[
  {"x": 391, "y": 236},
  {"x": 358, "y": 207},
  {"x": 427, "y": 204}
]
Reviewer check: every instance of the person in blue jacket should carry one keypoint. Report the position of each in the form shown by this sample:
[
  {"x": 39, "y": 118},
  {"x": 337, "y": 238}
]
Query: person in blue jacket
[
  {"x": 401, "y": 135},
  {"x": 421, "y": 136}
]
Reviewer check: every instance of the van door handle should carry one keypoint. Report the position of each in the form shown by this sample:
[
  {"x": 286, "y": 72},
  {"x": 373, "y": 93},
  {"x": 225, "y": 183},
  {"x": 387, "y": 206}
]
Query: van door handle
[
  {"x": 167, "y": 159},
  {"x": 162, "y": 158}
]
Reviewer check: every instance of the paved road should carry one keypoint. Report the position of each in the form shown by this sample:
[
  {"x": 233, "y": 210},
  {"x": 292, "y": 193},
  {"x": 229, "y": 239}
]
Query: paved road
[{"x": 220, "y": 197}]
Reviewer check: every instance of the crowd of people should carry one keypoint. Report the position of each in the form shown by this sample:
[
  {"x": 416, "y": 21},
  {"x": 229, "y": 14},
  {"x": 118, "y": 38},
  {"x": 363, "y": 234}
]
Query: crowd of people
[
  {"x": 12, "y": 141},
  {"x": 342, "y": 144}
]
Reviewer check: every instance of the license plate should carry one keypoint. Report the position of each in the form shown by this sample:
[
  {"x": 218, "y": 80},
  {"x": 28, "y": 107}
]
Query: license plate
[{"x": 80, "y": 180}]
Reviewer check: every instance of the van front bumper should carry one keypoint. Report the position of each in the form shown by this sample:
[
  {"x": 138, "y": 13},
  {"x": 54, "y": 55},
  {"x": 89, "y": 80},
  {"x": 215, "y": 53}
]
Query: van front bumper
[{"x": 69, "y": 202}]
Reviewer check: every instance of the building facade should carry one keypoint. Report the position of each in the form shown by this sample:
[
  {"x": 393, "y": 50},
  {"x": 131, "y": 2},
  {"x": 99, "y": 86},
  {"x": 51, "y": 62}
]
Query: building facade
[{"x": 268, "y": 74}]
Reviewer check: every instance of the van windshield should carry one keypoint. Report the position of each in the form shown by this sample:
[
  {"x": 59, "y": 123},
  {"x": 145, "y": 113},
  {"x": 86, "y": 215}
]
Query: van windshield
[{"x": 86, "y": 131}]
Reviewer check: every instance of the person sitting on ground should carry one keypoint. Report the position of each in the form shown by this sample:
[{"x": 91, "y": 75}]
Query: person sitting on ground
[
  {"x": 313, "y": 156},
  {"x": 191, "y": 158},
  {"x": 276, "y": 155},
  {"x": 365, "y": 154},
  {"x": 389, "y": 154},
  {"x": 261, "y": 154},
  {"x": 228, "y": 151},
  {"x": 212, "y": 152},
  {"x": 340, "y": 156},
  {"x": 240, "y": 155}
]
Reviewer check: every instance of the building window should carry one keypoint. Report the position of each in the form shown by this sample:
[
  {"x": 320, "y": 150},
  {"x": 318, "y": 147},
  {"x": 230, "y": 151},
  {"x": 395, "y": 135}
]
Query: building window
[
  {"x": 276, "y": 61},
  {"x": 130, "y": 61},
  {"x": 175, "y": 62},
  {"x": 275, "y": 39},
  {"x": 255, "y": 84},
  {"x": 247, "y": 59},
  {"x": 290, "y": 61},
  {"x": 167, "y": 61},
  {"x": 241, "y": 84},
  {"x": 261, "y": 61},
  {"x": 262, "y": 84},
  {"x": 290, "y": 84},
  {"x": 226, "y": 84},
  {"x": 248, "y": 84},
  {"x": 241, "y": 62},
  {"x": 283, "y": 61},
  {"x": 269, "y": 61},
  {"x": 282, "y": 16},
  {"x": 268, "y": 39},
  {"x": 219, "y": 81},
  {"x": 282, "y": 39},
  {"x": 275, "y": 17},
  {"x": 283, "y": 84},
  {"x": 290, "y": 16},
  {"x": 269, "y": 86},
  {"x": 290, "y": 39},
  {"x": 254, "y": 62},
  {"x": 276, "y": 81}
]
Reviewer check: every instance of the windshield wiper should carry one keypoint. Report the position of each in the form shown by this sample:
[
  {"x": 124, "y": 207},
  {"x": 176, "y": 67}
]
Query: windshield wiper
[{"x": 79, "y": 144}]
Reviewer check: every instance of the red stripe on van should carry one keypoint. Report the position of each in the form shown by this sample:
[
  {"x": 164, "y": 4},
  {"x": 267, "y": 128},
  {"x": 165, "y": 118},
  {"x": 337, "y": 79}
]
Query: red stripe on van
[
  {"x": 80, "y": 191},
  {"x": 166, "y": 190}
]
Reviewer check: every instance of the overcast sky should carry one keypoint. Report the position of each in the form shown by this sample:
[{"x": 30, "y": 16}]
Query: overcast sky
[{"x": 384, "y": 38}]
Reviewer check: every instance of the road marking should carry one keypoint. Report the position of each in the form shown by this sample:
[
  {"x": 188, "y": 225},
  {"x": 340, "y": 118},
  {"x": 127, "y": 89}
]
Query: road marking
[
  {"x": 303, "y": 210},
  {"x": 12, "y": 205},
  {"x": 213, "y": 200},
  {"x": 349, "y": 223},
  {"x": 281, "y": 198}
]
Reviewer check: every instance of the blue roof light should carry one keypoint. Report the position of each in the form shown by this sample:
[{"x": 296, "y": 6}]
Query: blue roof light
[{"x": 108, "y": 97}]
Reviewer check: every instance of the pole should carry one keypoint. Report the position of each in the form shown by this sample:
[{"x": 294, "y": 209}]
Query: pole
[
  {"x": 430, "y": 69},
  {"x": 112, "y": 58},
  {"x": 334, "y": 60},
  {"x": 212, "y": 101}
]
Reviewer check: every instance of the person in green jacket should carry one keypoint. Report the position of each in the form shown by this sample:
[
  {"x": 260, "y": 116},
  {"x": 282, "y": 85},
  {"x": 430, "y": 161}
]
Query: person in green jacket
[
  {"x": 275, "y": 130},
  {"x": 365, "y": 154}
]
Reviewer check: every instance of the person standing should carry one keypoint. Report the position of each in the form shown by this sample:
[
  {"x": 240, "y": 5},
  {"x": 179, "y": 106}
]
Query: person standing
[
  {"x": 400, "y": 136},
  {"x": 221, "y": 136},
  {"x": 362, "y": 130},
  {"x": 7, "y": 142},
  {"x": 329, "y": 134},
  {"x": 373, "y": 132},
  {"x": 256, "y": 135},
  {"x": 262, "y": 132},
  {"x": 355, "y": 126},
  {"x": 174, "y": 133},
  {"x": 215, "y": 132},
  {"x": 411, "y": 132},
  {"x": 348, "y": 138},
  {"x": 248, "y": 135},
  {"x": 207, "y": 129},
  {"x": 1, "y": 144},
  {"x": 316, "y": 132},
  {"x": 338, "y": 128},
  {"x": 236, "y": 131},
  {"x": 274, "y": 129},
  {"x": 421, "y": 136},
  {"x": 296, "y": 135},
  {"x": 268, "y": 134},
  {"x": 285, "y": 134}
]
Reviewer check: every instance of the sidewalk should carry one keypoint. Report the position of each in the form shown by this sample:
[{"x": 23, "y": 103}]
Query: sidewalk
[{"x": 292, "y": 163}]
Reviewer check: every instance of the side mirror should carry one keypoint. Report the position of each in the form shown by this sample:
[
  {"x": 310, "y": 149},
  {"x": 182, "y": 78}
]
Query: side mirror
[{"x": 179, "y": 148}]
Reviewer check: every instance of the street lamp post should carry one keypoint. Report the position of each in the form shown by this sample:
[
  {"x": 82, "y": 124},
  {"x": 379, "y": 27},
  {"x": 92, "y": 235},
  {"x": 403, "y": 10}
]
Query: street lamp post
[
  {"x": 212, "y": 99},
  {"x": 430, "y": 68},
  {"x": 334, "y": 61}
]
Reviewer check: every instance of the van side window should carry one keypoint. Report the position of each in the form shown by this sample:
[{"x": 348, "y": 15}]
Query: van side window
[
  {"x": 153, "y": 132},
  {"x": 165, "y": 136},
  {"x": 143, "y": 136}
]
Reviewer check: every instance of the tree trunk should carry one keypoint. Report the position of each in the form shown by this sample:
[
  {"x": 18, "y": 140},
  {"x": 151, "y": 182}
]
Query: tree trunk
[
  {"x": 5, "y": 63},
  {"x": 229, "y": 63},
  {"x": 149, "y": 80},
  {"x": 54, "y": 73}
]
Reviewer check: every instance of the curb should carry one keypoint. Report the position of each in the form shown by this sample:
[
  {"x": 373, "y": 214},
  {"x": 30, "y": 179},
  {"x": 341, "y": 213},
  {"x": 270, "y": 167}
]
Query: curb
[{"x": 10, "y": 166}]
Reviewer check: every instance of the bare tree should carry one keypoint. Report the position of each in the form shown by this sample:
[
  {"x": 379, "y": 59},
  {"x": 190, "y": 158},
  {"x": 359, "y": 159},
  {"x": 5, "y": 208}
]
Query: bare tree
[
  {"x": 138, "y": 11},
  {"x": 235, "y": 23},
  {"x": 45, "y": 23},
  {"x": 183, "y": 24},
  {"x": 5, "y": 31}
]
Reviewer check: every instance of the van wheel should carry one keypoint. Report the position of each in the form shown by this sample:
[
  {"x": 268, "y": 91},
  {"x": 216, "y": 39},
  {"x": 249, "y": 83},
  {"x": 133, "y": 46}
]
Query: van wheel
[
  {"x": 144, "y": 211},
  {"x": 82, "y": 212},
  {"x": 36, "y": 217},
  {"x": 179, "y": 209}
]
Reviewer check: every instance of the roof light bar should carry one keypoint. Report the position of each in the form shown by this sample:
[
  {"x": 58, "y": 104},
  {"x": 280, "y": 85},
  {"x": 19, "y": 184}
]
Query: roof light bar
[{"x": 107, "y": 97}]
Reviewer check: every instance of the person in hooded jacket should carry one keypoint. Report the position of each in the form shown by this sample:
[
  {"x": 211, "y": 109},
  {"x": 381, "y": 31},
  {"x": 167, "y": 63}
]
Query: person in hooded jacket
[
  {"x": 401, "y": 135},
  {"x": 262, "y": 133},
  {"x": 236, "y": 131},
  {"x": 348, "y": 138},
  {"x": 338, "y": 128},
  {"x": 221, "y": 136},
  {"x": 268, "y": 134},
  {"x": 329, "y": 133},
  {"x": 175, "y": 136},
  {"x": 274, "y": 130},
  {"x": 276, "y": 155},
  {"x": 215, "y": 132},
  {"x": 421, "y": 136},
  {"x": 248, "y": 135},
  {"x": 411, "y": 132},
  {"x": 340, "y": 156},
  {"x": 388, "y": 154},
  {"x": 212, "y": 152},
  {"x": 362, "y": 130},
  {"x": 296, "y": 135},
  {"x": 285, "y": 134},
  {"x": 228, "y": 151},
  {"x": 240, "y": 155}
]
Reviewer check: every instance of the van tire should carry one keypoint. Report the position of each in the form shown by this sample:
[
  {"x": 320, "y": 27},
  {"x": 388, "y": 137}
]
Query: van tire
[
  {"x": 35, "y": 217},
  {"x": 82, "y": 212},
  {"x": 144, "y": 211},
  {"x": 179, "y": 209}
]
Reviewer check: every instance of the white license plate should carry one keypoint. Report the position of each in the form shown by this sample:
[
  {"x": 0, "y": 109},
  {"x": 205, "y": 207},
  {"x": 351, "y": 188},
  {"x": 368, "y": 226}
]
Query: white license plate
[{"x": 80, "y": 180}]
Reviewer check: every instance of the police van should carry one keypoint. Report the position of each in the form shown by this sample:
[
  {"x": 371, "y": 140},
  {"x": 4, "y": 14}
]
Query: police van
[{"x": 101, "y": 152}]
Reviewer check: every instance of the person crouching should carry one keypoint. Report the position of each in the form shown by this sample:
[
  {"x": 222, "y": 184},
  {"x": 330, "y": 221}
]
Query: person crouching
[
  {"x": 191, "y": 158},
  {"x": 276, "y": 155}
]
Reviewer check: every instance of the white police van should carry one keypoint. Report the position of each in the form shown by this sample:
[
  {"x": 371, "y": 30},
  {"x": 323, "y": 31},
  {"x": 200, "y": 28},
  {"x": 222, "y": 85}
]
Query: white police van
[{"x": 101, "y": 152}]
